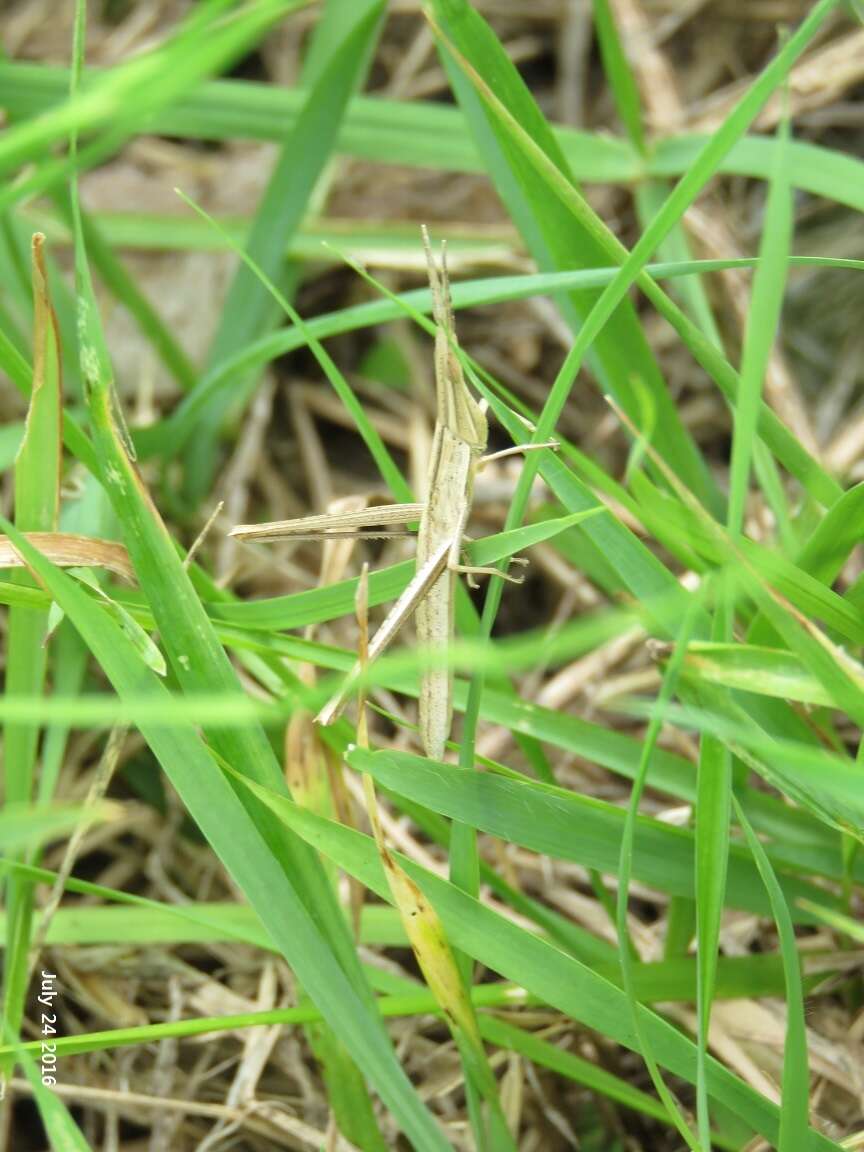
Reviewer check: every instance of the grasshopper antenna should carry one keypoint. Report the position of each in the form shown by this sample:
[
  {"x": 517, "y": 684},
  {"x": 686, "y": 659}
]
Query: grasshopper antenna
[
  {"x": 446, "y": 297},
  {"x": 441, "y": 310}
]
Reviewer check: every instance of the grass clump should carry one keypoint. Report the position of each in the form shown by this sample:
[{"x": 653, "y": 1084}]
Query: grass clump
[{"x": 620, "y": 911}]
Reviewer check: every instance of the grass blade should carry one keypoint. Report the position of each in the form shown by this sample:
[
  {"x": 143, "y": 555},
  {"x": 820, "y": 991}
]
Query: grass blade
[
  {"x": 542, "y": 818},
  {"x": 37, "y": 504},
  {"x": 769, "y": 284},
  {"x": 712, "y": 813},
  {"x": 129, "y": 95},
  {"x": 173, "y": 432},
  {"x": 795, "y": 1107},
  {"x": 63, "y": 1133},
  {"x": 558, "y": 979},
  {"x": 433, "y": 135},
  {"x": 625, "y": 872},
  {"x": 26, "y": 827}
]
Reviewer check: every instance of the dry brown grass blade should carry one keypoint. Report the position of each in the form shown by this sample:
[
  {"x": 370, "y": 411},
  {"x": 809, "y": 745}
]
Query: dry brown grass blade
[{"x": 69, "y": 550}]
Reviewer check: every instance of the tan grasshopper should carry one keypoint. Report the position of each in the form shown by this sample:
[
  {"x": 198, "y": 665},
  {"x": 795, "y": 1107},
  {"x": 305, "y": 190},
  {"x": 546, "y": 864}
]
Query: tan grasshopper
[{"x": 458, "y": 444}]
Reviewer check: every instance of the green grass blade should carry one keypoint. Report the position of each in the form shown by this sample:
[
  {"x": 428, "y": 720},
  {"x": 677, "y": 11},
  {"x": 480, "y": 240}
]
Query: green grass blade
[
  {"x": 824, "y": 782},
  {"x": 854, "y": 929},
  {"x": 63, "y": 1133},
  {"x": 712, "y": 813},
  {"x": 558, "y": 979},
  {"x": 619, "y": 74},
  {"x": 769, "y": 285},
  {"x": 20, "y": 373},
  {"x": 625, "y": 873},
  {"x": 432, "y": 135},
  {"x": 124, "y": 289},
  {"x": 766, "y": 671},
  {"x": 825, "y": 552},
  {"x": 127, "y": 96},
  {"x": 795, "y": 1103},
  {"x": 506, "y": 544},
  {"x": 172, "y": 434},
  {"x": 24, "y": 826},
  {"x": 542, "y": 818}
]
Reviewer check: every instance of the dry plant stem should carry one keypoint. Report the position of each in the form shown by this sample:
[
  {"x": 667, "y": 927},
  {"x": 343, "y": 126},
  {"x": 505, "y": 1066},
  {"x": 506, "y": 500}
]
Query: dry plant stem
[
  {"x": 312, "y": 770},
  {"x": 390, "y": 426},
  {"x": 266, "y": 1119},
  {"x": 312, "y": 456},
  {"x": 821, "y": 79},
  {"x": 236, "y": 477},
  {"x": 202, "y": 535},
  {"x": 164, "y": 1077}
]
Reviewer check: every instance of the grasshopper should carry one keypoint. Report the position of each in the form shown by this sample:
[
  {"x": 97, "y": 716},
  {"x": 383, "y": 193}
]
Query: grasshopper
[{"x": 458, "y": 447}]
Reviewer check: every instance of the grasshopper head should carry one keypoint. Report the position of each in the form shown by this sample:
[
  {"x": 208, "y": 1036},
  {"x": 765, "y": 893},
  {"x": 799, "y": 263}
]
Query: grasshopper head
[{"x": 457, "y": 408}]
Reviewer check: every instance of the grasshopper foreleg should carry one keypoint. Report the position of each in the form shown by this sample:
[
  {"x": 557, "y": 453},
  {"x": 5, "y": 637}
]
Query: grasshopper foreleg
[
  {"x": 416, "y": 589},
  {"x": 516, "y": 450}
]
